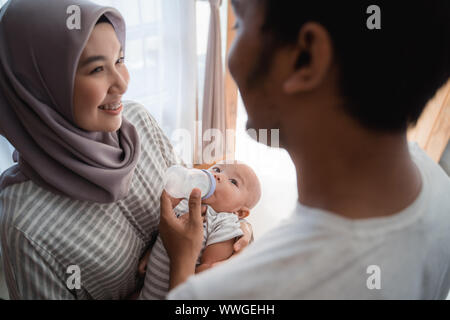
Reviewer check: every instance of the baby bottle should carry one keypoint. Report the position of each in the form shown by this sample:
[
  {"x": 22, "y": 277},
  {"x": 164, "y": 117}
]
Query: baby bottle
[{"x": 179, "y": 182}]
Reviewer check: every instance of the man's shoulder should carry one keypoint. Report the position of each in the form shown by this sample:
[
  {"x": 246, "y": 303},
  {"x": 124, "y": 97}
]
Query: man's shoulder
[
  {"x": 424, "y": 161},
  {"x": 298, "y": 260}
]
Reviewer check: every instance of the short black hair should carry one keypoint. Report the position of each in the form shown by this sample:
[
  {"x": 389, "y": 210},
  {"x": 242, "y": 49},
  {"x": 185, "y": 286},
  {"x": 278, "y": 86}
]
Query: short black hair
[{"x": 387, "y": 75}]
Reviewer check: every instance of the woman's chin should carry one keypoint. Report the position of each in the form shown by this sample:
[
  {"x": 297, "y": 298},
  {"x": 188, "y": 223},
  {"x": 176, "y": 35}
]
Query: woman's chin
[
  {"x": 113, "y": 125},
  {"x": 113, "y": 129}
]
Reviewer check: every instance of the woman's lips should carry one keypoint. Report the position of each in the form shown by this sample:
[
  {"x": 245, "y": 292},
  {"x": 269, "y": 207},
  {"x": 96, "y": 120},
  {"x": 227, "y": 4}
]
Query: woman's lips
[
  {"x": 111, "y": 105},
  {"x": 113, "y": 112}
]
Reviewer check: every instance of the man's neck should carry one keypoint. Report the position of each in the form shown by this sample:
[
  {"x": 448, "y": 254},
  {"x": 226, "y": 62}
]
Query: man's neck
[{"x": 371, "y": 176}]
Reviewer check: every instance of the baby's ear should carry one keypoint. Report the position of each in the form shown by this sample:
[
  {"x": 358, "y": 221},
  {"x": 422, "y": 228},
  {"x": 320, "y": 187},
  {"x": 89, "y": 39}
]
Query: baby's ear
[{"x": 243, "y": 212}]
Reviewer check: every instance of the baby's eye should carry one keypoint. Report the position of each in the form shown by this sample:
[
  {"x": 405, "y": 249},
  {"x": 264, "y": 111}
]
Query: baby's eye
[
  {"x": 233, "y": 181},
  {"x": 121, "y": 60},
  {"x": 216, "y": 169}
]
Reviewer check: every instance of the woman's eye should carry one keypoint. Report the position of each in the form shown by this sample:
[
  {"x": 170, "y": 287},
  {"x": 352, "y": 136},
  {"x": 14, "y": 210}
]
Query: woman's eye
[
  {"x": 235, "y": 26},
  {"x": 233, "y": 181},
  {"x": 98, "y": 69}
]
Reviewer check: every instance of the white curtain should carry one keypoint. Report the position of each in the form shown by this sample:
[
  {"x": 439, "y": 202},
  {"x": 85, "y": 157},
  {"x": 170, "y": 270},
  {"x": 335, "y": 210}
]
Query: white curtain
[{"x": 6, "y": 150}]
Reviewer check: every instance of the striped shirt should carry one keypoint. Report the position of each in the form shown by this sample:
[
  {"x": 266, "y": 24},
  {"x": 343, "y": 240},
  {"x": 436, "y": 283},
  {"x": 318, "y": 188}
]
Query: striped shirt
[
  {"x": 218, "y": 227},
  {"x": 43, "y": 234}
]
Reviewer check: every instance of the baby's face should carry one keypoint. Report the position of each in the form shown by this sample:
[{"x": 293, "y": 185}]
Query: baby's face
[{"x": 237, "y": 189}]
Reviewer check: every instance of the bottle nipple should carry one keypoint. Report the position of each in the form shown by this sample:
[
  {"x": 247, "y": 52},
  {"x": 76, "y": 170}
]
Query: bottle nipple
[{"x": 212, "y": 187}]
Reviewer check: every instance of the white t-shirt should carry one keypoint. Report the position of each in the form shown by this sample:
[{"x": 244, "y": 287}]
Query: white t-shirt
[{"x": 315, "y": 254}]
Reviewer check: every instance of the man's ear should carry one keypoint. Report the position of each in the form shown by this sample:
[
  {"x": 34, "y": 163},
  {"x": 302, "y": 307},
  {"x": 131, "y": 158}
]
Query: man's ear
[
  {"x": 313, "y": 57},
  {"x": 243, "y": 212}
]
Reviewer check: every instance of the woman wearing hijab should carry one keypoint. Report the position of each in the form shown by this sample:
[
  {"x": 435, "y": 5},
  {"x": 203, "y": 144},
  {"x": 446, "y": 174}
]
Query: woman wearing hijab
[{"x": 83, "y": 198}]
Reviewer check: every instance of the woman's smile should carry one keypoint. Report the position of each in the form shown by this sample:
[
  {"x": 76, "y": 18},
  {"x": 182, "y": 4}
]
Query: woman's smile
[
  {"x": 114, "y": 112},
  {"x": 111, "y": 106},
  {"x": 114, "y": 108}
]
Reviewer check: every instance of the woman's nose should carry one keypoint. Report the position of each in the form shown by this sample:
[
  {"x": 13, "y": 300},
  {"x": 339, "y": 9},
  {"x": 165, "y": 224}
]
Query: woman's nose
[{"x": 119, "y": 84}]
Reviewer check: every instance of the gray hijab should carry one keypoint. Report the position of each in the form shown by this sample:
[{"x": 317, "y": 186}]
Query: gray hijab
[{"x": 38, "y": 60}]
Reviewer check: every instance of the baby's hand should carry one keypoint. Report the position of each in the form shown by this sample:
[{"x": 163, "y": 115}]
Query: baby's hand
[
  {"x": 243, "y": 241},
  {"x": 142, "y": 267}
]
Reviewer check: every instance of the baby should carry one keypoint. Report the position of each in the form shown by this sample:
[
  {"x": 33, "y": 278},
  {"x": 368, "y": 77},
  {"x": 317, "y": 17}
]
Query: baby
[{"x": 237, "y": 191}]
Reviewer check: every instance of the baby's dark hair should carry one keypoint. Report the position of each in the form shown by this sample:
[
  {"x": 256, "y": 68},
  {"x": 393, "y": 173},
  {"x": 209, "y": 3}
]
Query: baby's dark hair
[{"x": 386, "y": 75}]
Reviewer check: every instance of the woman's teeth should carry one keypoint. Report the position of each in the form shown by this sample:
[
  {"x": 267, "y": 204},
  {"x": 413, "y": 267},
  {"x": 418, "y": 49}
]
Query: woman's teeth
[{"x": 111, "y": 106}]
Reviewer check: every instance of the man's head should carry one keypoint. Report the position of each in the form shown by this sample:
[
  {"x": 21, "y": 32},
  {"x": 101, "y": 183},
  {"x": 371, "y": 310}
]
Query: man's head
[
  {"x": 237, "y": 189},
  {"x": 298, "y": 62}
]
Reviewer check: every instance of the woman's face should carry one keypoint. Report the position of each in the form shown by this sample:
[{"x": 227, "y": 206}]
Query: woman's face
[{"x": 101, "y": 79}]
